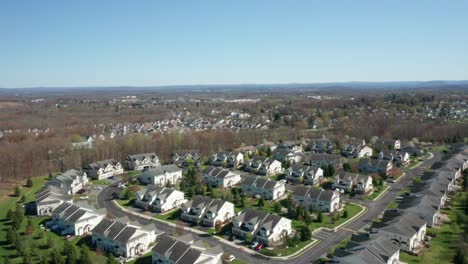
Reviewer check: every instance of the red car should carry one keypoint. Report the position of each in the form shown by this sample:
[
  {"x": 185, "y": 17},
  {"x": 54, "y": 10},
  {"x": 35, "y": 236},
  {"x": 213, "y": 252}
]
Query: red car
[{"x": 259, "y": 246}]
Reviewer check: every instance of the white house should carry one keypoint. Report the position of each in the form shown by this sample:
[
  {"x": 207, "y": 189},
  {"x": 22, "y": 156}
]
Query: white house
[
  {"x": 207, "y": 211},
  {"x": 365, "y": 249},
  {"x": 307, "y": 174},
  {"x": 266, "y": 228},
  {"x": 71, "y": 181},
  {"x": 142, "y": 161},
  {"x": 123, "y": 238},
  {"x": 71, "y": 219},
  {"x": 161, "y": 176},
  {"x": 103, "y": 169},
  {"x": 220, "y": 177},
  {"x": 317, "y": 198},
  {"x": 159, "y": 199},
  {"x": 228, "y": 159},
  {"x": 182, "y": 250},
  {"x": 347, "y": 180},
  {"x": 266, "y": 188},
  {"x": 406, "y": 227},
  {"x": 263, "y": 166},
  {"x": 49, "y": 198}
]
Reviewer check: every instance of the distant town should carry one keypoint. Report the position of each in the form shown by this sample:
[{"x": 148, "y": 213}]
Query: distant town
[{"x": 262, "y": 176}]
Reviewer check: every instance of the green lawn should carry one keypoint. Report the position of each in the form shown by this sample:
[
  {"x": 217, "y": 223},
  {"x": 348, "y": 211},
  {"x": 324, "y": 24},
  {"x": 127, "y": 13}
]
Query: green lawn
[
  {"x": 353, "y": 209},
  {"x": 37, "y": 245},
  {"x": 172, "y": 216},
  {"x": 100, "y": 182},
  {"x": 443, "y": 246},
  {"x": 284, "y": 251},
  {"x": 378, "y": 190}
]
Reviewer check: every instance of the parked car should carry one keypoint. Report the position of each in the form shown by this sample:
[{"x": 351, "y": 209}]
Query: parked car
[
  {"x": 97, "y": 188},
  {"x": 254, "y": 245},
  {"x": 84, "y": 197},
  {"x": 391, "y": 181},
  {"x": 259, "y": 246},
  {"x": 230, "y": 258},
  {"x": 81, "y": 191}
]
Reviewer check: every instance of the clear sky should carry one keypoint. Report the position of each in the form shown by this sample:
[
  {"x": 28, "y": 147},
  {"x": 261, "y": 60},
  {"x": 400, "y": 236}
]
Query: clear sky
[{"x": 143, "y": 43}]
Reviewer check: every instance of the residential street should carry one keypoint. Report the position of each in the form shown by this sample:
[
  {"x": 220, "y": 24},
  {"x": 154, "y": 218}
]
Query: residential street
[{"x": 329, "y": 240}]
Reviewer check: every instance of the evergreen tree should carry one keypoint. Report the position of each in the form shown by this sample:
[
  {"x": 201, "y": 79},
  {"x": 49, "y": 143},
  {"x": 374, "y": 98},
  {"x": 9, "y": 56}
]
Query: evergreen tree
[
  {"x": 56, "y": 257},
  {"x": 17, "y": 191},
  {"x": 70, "y": 251},
  {"x": 111, "y": 260},
  {"x": 306, "y": 234},
  {"x": 278, "y": 208},
  {"x": 12, "y": 236},
  {"x": 320, "y": 217},
  {"x": 261, "y": 203},
  {"x": 29, "y": 183},
  {"x": 331, "y": 170},
  {"x": 345, "y": 214},
  {"x": 85, "y": 256}
]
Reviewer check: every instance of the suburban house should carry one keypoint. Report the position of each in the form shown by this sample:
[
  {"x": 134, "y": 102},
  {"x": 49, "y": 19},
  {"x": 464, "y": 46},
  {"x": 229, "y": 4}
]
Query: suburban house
[
  {"x": 365, "y": 249},
  {"x": 317, "y": 198},
  {"x": 71, "y": 219},
  {"x": 71, "y": 181},
  {"x": 123, "y": 238},
  {"x": 267, "y": 144},
  {"x": 159, "y": 199},
  {"x": 142, "y": 161},
  {"x": 227, "y": 159},
  {"x": 49, "y": 198},
  {"x": 407, "y": 228},
  {"x": 401, "y": 158},
  {"x": 412, "y": 150},
  {"x": 265, "y": 188},
  {"x": 263, "y": 166},
  {"x": 161, "y": 176},
  {"x": 186, "y": 158},
  {"x": 321, "y": 146},
  {"x": 426, "y": 207},
  {"x": 266, "y": 228},
  {"x": 433, "y": 188},
  {"x": 382, "y": 167},
  {"x": 357, "y": 150},
  {"x": 294, "y": 145},
  {"x": 103, "y": 169},
  {"x": 391, "y": 144},
  {"x": 321, "y": 160},
  {"x": 249, "y": 150},
  {"x": 207, "y": 211},
  {"x": 220, "y": 177},
  {"x": 183, "y": 250},
  {"x": 304, "y": 173},
  {"x": 287, "y": 155},
  {"x": 347, "y": 181}
]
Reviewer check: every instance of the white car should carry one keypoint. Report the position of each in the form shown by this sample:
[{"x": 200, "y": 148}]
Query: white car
[
  {"x": 97, "y": 188},
  {"x": 254, "y": 244},
  {"x": 230, "y": 258},
  {"x": 84, "y": 197}
]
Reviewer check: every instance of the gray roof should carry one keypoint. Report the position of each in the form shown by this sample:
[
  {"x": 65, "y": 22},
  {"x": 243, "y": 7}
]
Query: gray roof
[
  {"x": 69, "y": 176},
  {"x": 313, "y": 193},
  {"x": 217, "y": 172},
  {"x": 264, "y": 219},
  {"x": 54, "y": 194},
  {"x": 210, "y": 204},
  {"x": 70, "y": 212},
  {"x": 117, "y": 229},
  {"x": 362, "y": 249},
  {"x": 179, "y": 252},
  {"x": 259, "y": 182},
  {"x": 101, "y": 164},
  {"x": 142, "y": 156},
  {"x": 163, "y": 169}
]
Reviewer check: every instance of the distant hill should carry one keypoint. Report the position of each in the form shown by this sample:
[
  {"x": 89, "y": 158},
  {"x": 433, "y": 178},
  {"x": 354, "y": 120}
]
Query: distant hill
[{"x": 246, "y": 87}]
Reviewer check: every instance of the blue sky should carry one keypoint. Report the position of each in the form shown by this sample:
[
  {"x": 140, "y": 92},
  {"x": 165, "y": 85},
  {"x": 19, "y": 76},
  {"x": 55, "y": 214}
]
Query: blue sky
[{"x": 142, "y": 43}]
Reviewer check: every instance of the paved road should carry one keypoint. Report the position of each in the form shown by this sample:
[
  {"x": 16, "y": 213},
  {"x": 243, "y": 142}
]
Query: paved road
[{"x": 332, "y": 239}]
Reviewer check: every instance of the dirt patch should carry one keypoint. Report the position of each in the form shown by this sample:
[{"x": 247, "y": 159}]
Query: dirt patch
[{"x": 9, "y": 105}]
